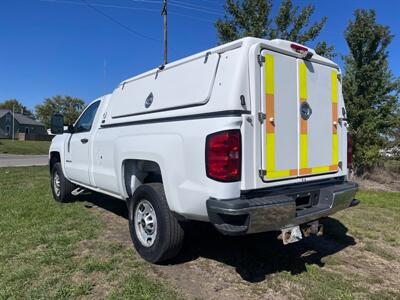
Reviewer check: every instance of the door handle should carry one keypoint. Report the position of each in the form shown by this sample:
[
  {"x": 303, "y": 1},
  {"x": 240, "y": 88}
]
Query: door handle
[{"x": 84, "y": 141}]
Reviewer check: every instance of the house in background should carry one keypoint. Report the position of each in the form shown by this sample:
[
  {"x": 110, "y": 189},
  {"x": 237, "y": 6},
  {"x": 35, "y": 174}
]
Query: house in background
[{"x": 24, "y": 126}]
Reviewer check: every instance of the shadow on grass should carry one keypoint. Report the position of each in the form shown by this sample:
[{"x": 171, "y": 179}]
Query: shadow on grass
[
  {"x": 113, "y": 205},
  {"x": 255, "y": 256}
]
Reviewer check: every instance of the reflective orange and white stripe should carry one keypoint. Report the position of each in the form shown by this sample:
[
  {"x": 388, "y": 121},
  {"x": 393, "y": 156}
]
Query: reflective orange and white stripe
[
  {"x": 303, "y": 95},
  {"x": 335, "y": 140},
  {"x": 271, "y": 172},
  {"x": 304, "y": 166}
]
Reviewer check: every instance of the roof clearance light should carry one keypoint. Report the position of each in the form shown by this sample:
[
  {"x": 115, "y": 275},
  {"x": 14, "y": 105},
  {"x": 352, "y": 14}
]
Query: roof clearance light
[
  {"x": 302, "y": 50},
  {"x": 299, "y": 49}
]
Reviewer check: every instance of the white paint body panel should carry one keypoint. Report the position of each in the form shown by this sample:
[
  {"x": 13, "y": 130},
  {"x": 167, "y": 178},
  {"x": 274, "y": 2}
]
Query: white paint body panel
[
  {"x": 79, "y": 169},
  {"x": 188, "y": 96}
]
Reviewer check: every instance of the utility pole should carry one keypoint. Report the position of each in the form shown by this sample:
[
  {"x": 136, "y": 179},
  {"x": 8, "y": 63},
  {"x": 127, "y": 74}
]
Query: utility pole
[
  {"x": 164, "y": 13},
  {"x": 13, "y": 123}
]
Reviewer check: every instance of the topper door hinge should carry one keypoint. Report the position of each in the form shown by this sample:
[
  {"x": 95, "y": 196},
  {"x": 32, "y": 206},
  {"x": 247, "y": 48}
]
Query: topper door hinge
[
  {"x": 260, "y": 59},
  {"x": 261, "y": 117},
  {"x": 262, "y": 173}
]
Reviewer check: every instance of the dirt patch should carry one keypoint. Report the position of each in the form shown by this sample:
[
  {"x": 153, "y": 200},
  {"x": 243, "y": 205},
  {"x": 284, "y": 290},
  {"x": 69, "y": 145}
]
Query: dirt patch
[
  {"x": 383, "y": 178},
  {"x": 372, "y": 185},
  {"x": 212, "y": 266},
  {"x": 381, "y": 274}
]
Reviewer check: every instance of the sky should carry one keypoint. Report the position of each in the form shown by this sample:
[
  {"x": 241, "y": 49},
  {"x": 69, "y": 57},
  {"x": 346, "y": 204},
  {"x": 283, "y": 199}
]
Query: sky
[{"x": 67, "y": 47}]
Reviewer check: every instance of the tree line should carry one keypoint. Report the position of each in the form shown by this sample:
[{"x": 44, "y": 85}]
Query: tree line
[
  {"x": 370, "y": 90},
  {"x": 70, "y": 107}
]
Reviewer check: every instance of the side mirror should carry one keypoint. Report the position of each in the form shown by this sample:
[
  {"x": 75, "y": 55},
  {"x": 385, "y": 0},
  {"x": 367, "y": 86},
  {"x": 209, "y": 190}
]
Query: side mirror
[
  {"x": 57, "y": 124},
  {"x": 71, "y": 129}
]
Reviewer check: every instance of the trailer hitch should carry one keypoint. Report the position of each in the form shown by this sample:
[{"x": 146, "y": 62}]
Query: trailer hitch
[
  {"x": 296, "y": 233},
  {"x": 290, "y": 235},
  {"x": 312, "y": 228}
]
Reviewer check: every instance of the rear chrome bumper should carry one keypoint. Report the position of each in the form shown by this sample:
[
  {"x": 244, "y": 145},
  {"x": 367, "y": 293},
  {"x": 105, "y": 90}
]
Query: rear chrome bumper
[{"x": 276, "y": 209}]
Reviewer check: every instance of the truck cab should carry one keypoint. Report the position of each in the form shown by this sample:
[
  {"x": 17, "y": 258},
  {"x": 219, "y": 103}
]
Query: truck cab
[{"x": 250, "y": 136}]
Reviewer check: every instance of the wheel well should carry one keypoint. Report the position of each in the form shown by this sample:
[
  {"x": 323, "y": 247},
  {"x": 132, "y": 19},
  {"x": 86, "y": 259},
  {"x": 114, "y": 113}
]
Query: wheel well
[
  {"x": 137, "y": 172},
  {"x": 54, "y": 158}
]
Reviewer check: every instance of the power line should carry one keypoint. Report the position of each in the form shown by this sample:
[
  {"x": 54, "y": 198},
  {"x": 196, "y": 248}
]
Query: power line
[
  {"x": 101, "y": 5},
  {"x": 119, "y": 23},
  {"x": 123, "y": 25},
  {"x": 211, "y": 1},
  {"x": 185, "y": 5},
  {"x": 189, "y": 4},
  {"x": 196, "y": 9},
  {"x": 208, "y": 2},
  {"x": 182, "y": 14},
  {"x": 129, "y": 8},
  {"x": 184, "y": 2},
  {"x": 147, "y": 1},
  {"x": 190, "y": 17},
  {"x": 93, "y": 6}
]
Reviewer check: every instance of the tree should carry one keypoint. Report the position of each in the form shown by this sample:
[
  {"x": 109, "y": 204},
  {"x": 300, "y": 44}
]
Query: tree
[
  {"x": 70, "y": 107},
  {"x": 18, "y": 107},
  {"x": 252, "y": 18},
  {"x": 370, "y": 90}
]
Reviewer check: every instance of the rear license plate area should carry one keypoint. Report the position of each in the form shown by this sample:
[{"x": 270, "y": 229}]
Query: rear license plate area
[{"x": 306, "y": 200}]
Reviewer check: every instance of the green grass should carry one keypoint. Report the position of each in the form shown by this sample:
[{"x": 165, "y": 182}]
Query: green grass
[
  {"x": 376, "y": 219},
  {"x": 135, "y": 288},
  {"x": 24, "y": 147},
  {"x": 41, "y": 250},
  {"x": 62, "y": 251},
  {"x": 387, "y": 200}
]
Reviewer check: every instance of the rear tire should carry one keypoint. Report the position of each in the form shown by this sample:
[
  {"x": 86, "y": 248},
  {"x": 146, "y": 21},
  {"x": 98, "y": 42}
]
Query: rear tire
[
  {"x": 61, "y": 187},
  {"x": 155, "y": 231}
]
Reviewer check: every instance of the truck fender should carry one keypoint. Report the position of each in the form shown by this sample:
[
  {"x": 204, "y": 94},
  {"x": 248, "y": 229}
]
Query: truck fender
[{"x": 167, "y": 154}]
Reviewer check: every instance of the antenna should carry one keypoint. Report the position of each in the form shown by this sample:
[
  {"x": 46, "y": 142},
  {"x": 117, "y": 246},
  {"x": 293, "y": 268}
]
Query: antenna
[
  {"x": 164, "y": 13},
  {"x": 104, "y": 73}
]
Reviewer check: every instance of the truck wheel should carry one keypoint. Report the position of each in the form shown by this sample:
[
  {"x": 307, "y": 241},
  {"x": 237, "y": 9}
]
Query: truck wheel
[
  {"x": 155, "y": 231},
  {"x": 60, "y": 186}
]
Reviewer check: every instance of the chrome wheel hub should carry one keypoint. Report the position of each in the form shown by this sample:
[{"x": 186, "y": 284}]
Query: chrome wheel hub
[
  {"x": 145, "y": 223},
  {"x": 57, "y": 184}
]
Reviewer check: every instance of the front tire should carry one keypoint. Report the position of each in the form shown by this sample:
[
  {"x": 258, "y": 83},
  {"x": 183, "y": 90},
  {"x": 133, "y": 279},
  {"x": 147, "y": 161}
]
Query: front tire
[
  {"x": 61, "y": 187},
  {"x": 155, "y": 231}
]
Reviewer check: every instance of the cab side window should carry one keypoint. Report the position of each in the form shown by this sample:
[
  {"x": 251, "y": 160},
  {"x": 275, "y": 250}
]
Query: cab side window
[{"x": 85, "y": 122}]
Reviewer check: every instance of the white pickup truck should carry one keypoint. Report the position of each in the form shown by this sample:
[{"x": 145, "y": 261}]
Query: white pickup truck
[{"x": 250, "y": 136}]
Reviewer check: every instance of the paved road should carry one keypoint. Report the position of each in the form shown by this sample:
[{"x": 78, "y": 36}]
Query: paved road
[{"x": 13, "y": 160}]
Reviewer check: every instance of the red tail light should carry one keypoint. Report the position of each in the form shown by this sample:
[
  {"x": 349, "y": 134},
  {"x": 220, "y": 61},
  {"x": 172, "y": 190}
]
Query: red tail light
[
  {"x": 223, "y": 156},
  {"x": 349, "y": 151}
]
